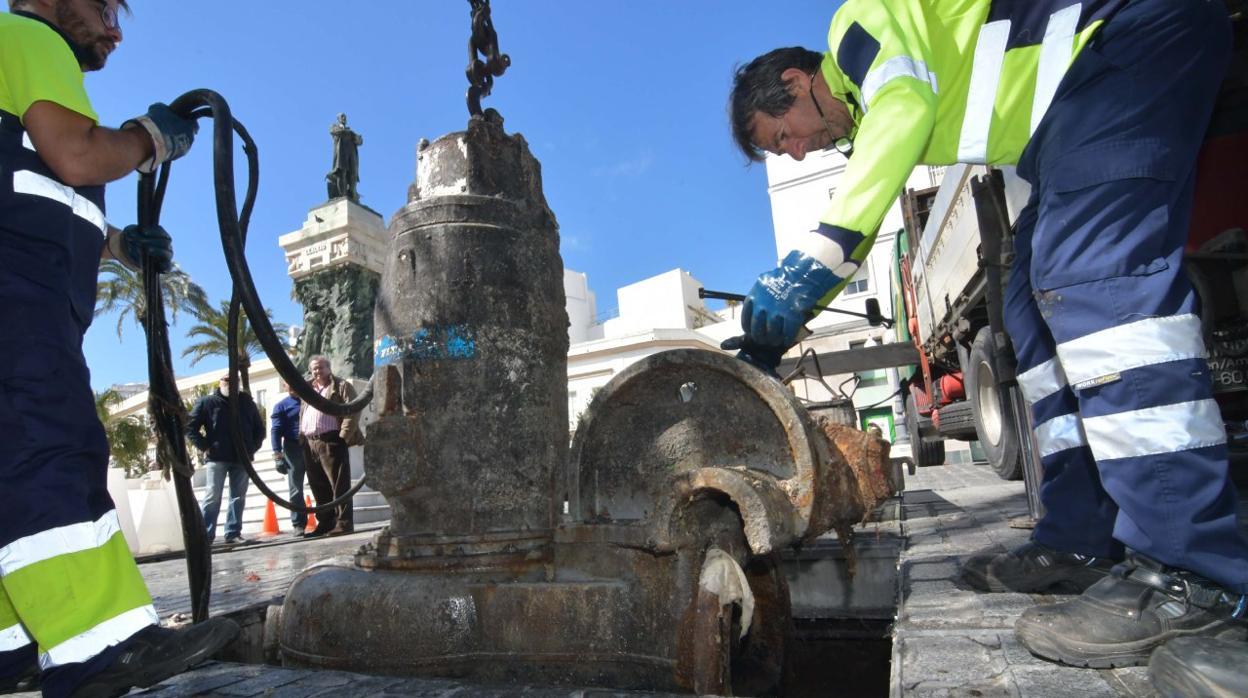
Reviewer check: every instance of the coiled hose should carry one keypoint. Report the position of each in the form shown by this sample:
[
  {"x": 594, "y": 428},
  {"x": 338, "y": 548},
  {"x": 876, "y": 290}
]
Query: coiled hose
[{"x": 164, "y": 401}]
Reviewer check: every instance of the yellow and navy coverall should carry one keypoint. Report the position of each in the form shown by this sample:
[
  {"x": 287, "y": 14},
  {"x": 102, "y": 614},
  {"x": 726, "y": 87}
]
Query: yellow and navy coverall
[
  {"x": 1102, "y": 105},
  {"x": 70, "y": 592}
]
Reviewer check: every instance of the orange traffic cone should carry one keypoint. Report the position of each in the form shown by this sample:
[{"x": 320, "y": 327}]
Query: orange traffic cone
[
  {"x": 270, "y": 520},
  {"x": 311, "y": 518}
]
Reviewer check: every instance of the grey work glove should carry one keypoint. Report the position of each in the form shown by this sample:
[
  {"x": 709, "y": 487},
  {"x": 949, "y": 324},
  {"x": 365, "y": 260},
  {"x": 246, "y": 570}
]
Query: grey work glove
[
  {"x": 129, "y": 245},
  {"x": 171, "y": 135}
]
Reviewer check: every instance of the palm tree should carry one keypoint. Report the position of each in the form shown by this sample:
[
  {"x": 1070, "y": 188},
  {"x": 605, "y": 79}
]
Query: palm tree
[
  {"x": 128, "y": 437},
  {"x": 121, "y": 288},
  {"x": 213, "y": 335}
]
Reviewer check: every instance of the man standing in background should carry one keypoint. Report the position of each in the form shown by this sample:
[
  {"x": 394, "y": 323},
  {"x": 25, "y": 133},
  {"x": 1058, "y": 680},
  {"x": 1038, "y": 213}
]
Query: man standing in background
[
  {"x": 208, "y": 429},
  {"x": 326, "y": 438},
  {"x": 288, "y": 454}
]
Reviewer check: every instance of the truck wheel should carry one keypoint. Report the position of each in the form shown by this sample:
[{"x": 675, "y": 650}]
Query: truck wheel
[
  {"x": 926, "y": 451},
  {"x": 957, "y": 421},
  {"x": 994, "y": 418}
]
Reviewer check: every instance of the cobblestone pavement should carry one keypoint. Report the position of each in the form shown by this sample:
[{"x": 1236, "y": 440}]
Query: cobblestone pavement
[
  {"x": 222, "y": 680},
  {"x": 950, "y": 640}
]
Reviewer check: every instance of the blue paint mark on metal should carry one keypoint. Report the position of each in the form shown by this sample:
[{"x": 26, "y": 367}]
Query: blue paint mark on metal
[
  {"x": 425, "y": 346},
  {"x": 441, "y": 342},
  {"x": 386, "y": 351},
  {"x": 460, "y": 343}
]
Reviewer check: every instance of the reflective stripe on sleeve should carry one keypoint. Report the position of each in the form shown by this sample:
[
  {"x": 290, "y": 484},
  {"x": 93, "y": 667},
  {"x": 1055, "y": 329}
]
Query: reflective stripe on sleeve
[
  {"x": 831, "y": 252},
  {"x": 1041, "y": 381},
  {"x": 35, "y": 184},
  {"x": 1166, "y": 429},
  {"x": 1141, "y": 343},
  {"x": 63, "y": 540},
  {"x": 82, "y": 647},
  {"x": 1055, "y": 52},
  {"x": 14, "y": 637},
  {"x": 26, "y": 142},
  {"x": 982, "y": 94},
  {"x": 1060, "y": 434},
  {"x": 893, "y": 68}
]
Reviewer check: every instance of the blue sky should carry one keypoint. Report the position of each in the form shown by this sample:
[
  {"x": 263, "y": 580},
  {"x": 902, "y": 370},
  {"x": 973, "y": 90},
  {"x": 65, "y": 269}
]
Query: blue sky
[{"x": 623, "y": 103}]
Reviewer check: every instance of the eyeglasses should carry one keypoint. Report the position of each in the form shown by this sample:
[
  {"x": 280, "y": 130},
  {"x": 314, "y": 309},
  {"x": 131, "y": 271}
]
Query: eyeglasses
[
  {"x": 108, "y": 14},
  {"x": 843, "y": 145}
]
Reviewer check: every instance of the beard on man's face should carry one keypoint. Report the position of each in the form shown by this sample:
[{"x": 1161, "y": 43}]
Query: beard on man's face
[{"x": 93, "y": 46}]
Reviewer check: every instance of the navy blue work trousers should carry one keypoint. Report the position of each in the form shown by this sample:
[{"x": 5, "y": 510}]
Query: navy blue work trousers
[
  {"x": 53, "y": 466},
  {"x": 1102, "y": 317}
]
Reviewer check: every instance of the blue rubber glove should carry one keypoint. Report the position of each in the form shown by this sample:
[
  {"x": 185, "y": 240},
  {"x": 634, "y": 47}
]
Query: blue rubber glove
[
  {"x": 283, "y": 465},
  {"x": 765, "y": 359},
  {"x": 171, "y": 135},
  {"x": 783, "y": 299},
  {"x": 152, "y": 240}
]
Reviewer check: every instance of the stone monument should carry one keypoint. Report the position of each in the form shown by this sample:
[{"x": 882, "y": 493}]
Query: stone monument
[{"x": 335, "y": 260}]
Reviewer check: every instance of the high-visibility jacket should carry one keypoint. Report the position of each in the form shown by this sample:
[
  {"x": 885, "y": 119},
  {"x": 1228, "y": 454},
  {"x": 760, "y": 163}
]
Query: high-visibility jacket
[
  {"x": 52, "y": 233},
  {"x": 937, "y": 82},
  {"x": 67, "y": 580}
]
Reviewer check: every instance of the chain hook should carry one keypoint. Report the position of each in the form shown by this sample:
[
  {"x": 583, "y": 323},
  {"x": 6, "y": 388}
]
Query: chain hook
[{"x": 484, "y": 41}]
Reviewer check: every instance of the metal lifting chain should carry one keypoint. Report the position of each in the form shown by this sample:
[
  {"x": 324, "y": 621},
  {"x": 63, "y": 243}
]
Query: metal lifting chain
[{"x": 484, "y": 41}]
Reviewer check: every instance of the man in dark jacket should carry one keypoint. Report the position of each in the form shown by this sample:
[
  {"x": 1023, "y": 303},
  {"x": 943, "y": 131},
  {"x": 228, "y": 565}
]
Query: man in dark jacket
[
  {"x": 288, "y": 454},
  {"x": 209, "y": 430}
]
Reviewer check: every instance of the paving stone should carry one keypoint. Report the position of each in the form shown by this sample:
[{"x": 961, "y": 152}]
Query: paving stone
[
  {"x": 945, "y": 567},
  {"x": 1007, "y": 604},
  {"x": 359, "y": 685},
  {"x": 313, "y": 682},
  {"x": 424, "y": 688},
  {"x": 208, "y": 679},
  {"x": 261, "y": 683},
  {"x": 933, "y": 665},
  {"x": 1055, "y": 680},
  {"x": 1132, "y": 681}
]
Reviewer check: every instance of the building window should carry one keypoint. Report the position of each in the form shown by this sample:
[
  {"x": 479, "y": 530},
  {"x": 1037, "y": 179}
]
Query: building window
[{"x": 861, "y": 282}]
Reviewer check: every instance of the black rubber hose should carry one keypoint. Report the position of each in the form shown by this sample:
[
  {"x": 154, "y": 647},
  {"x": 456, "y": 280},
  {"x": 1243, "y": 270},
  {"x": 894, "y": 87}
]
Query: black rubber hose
[
  {"x": 168, "y": 413},
  {"x": 164, "y": 400},
  {"x": 232, "y": 224},
  {"x": 233, "y": 238}
]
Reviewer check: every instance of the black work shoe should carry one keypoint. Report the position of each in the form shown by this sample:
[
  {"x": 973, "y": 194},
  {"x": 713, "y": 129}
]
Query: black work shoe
[
  {"x": 316, "y": 532},
  {"x": 1034, "y": 568},
  {"x": 1200, "y": 666},
  {"x": 1121, "y": 619},
  {"x": 154, "y": 654}
]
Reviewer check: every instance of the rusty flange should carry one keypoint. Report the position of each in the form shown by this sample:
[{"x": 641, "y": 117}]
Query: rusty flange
[{"x": 686, "y": 419}]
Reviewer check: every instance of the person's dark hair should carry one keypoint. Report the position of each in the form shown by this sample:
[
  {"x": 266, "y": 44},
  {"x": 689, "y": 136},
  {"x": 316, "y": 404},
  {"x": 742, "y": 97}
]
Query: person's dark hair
[
  {"x": 757, "y": 87},
  {"x": 19, "y": 4}
]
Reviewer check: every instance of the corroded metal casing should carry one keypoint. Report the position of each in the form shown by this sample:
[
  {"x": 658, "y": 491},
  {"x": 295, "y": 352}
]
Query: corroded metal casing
[
  {"x": 471, "y": 355},
  {"x": 687, "y": 421}
]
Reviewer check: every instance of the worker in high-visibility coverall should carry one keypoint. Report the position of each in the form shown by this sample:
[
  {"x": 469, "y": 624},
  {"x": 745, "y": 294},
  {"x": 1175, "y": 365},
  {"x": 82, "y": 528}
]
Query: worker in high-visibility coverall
[
  {"x": 1102, "y": 104},
  {"x": 73, "y": 607}
]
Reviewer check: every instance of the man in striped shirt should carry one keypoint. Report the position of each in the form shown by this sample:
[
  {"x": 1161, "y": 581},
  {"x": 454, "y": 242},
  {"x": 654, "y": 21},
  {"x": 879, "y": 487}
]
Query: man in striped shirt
[
  {"x": 73, "y": 605},
  {"x": 325, "y": 440},
  {"x": 1102, "y": 105}
]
